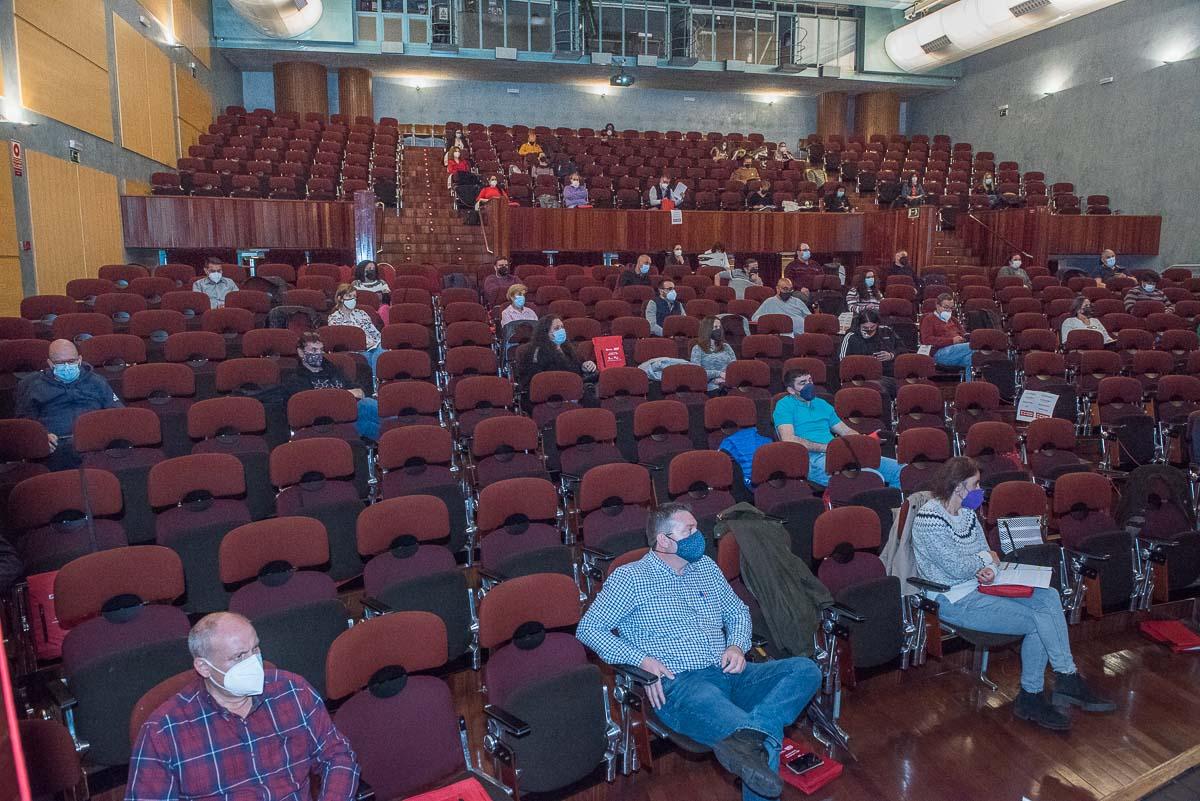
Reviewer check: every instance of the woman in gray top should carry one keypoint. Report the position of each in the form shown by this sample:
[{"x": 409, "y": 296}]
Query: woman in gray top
[
  {"x": 712, "y": 352},
  {"x": 950, "y": 548}
]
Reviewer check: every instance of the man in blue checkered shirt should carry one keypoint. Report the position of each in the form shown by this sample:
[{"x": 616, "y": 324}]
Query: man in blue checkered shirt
[{"x": 673, "y": 614}]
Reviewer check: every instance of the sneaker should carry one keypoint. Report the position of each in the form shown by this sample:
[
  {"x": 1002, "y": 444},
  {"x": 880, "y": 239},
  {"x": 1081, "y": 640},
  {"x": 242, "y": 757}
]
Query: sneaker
[
  {"x": 742, "y": 754},
  {"x": 1036, "y": 709},
  {"x": 1070, "y": 688}
]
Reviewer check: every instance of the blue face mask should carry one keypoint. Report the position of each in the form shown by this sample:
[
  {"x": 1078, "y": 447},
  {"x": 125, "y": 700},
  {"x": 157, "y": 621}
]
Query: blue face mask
[
  {"x": 671, "y": 296},
  {"x": 945, "y": 316},
  {"x": 559, "y": 336},
  {"x": 1110, "y": 262},
  {"x": 67, "y": 372},
  {"x": 691, "y": 547},
  {"x": 869, "y": 280},
  {"x": 645, "y": 268},
  {"x": 804, "y": 254},
  {"x": 519, "y": 301},
  {"x": 973, "y": 499},
  {"x": 808, "y": 392}
]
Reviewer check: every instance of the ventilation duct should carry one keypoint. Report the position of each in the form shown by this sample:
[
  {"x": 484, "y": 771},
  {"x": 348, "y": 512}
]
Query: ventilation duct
[
  {"x": 973, "y": 26},
  {"x": 280, "y": 19}
]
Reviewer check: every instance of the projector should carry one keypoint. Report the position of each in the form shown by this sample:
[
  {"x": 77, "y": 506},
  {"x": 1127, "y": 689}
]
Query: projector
[{"x": 621, "y": 79}]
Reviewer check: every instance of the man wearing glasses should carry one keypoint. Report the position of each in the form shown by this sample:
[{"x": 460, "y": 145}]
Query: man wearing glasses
[{"x": 56, "y": 396}]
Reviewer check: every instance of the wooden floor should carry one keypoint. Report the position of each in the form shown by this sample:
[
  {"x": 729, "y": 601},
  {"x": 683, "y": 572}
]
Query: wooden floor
[{"x": 936, "y": 734}]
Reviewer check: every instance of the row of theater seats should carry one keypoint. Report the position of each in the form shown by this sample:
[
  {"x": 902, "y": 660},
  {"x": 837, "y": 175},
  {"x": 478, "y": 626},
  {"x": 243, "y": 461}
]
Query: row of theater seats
[
  {"x": 953, "y": 174},
  {"x": 260, "y": 155},
  {"x": 467, "y": 475}
]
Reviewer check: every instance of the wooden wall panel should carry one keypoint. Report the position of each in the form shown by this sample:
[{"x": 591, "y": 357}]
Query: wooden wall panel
[
  {"x": 192, "y": 23},
  {"x": 877, "y": 113},
  {"x": 831, "y": 114},
  {"x": 160, "y": 10},
  {"x": 200, "y": 222},
  {"x": 195, "y": 104},
  {"x": 60, "y": 83},
  {"x": 100, "y": 215},
  {"x": 11, "y": 288},
  {"x": 132, "y": 87},
  {"x": 301, "y": 87},
  {"x": 133, "y": 187},
  {"x": 188, "y": 136},
  {"x": 996, "y": 234},
  {"x": 78, "y": 24},
  {"x": 57, "y": 228},
  {"x": 146, "y": 97},
  {"x": 354, "y": 93},
  {"x": 76, "y": 220}
]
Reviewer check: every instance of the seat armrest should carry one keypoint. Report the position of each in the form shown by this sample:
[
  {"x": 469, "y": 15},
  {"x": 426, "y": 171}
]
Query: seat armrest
[
  {"x": 653, "y": 468},
  {"x": 837, "y": 611},
  {"x": 1085, "y": 556},
  {"x": 574, "y": 479},
  {"x": 375, "y": 606},
  {"x": 508, "y": 722},
  {"x": 365, "y": 792},
  {"x": 61, "y": 695},
  {"x": 1155, "y": 542},
  {"x": 484, "y": 573},
  {"x": 641, "y": 678},
  {"x": 928, "y": 586}
]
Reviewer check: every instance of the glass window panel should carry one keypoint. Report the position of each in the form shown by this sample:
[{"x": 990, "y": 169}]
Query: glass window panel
[
  {"x": 743, "y": 38},
  {"x": 612, "y": 29},
  {"x": 703, "y": 36},
  {"x": 493, "y": 24},
  {"x": 539, "y": 27},
  {"x": 827, "y": 41},
  {"x": 393, "y": 6},
  {"x": 654, "y": 38},
  {"x": 766, "y": 47},
  {"x": 517, "y": 22},
  {"x": 367, "y": 5},
  {"x": 418, "y": 7},
  {"x": 366, "y": 27},
  {"x": 806, "y": 41},
  {"x": 847, "y": 43},
  {"x": 467, "y": 22}
]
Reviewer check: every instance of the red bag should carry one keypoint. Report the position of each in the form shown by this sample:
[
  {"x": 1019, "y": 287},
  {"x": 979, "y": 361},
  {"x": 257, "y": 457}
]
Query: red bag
[
  {"x": 466, "y": 790},
  {"x": 609, "y": 352},
  {"x": 47, "y": 635},
  {"x": 816, "y": 778},
  {"x": 668, "y": 204},
  {"x": 1006, "y": 590}
]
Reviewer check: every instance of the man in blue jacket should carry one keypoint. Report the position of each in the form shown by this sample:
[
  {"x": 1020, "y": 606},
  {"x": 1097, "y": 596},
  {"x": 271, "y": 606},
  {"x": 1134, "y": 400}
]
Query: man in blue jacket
[{"x": 55, "y": 397}]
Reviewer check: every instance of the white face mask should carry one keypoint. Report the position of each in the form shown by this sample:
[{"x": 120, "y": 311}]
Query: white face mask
[
  {"x": 492, "y": 183},
  {"x": 215, "y": 277},
  {"x": 1016, "y": 263},
  {"x": 350, "y": 302},
  {"x": 574, "y": 183},
  {"x": 678, "y": 252},
  {"x": 243, "y": 679}
]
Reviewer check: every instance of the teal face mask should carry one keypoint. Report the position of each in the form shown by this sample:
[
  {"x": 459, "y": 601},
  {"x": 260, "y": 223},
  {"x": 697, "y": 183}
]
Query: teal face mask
[{"x": 67, "y": 372}]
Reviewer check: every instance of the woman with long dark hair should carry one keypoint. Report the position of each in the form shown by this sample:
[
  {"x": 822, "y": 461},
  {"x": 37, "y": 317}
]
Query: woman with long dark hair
[
  {"x": 950, "y": 548},
  {"x": 549, "y": 350},
  {"x": 865, "y": 294},
  {"x": 712, "y": 352}
]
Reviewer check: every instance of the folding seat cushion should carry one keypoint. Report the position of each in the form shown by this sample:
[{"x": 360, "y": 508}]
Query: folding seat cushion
[
  {"x": 168, "y": 390},
  {"x": 199, "y": 498},
  {"x": 481, "y": 397},
  {"x": 56, "y": 523},
  {"x": 921, "y": 451},
  {"x": 585, "y": 438},
  {"x": 235, "y": 426},
  {"x": 294, "y": 608},
  {"x": 506, "y": 447},
  {"x": 538, "y": 672},
  {"x": 993, "y": 445},
  {"x": 402, "y": 725},
  {"x": 115, "y": 605},
  {"x": 613, "y": 502},
  {"x": 779, "y": 475},
  {"x": 705, "y": 481},
  {"x": 518, "y": 529},
  {"x": 315, "y": 478},
  {"x": 419, "y": 460},
  {"x": 622, "y": 389},
  {"x": 125, "y": 442},
  {"x": 410, "y": 568},
  {"x": 201, "y": 351},
  {"x": 851, "y": 463}
]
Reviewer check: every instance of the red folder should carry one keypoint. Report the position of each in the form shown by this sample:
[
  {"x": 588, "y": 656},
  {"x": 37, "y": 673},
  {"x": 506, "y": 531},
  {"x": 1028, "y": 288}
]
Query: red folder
[
  {"x": 816, "y": 778},
  {"x": 609, "y": 352},
  {"x": 466, "y": 790},
  {"x": 1172, "y": 633}
]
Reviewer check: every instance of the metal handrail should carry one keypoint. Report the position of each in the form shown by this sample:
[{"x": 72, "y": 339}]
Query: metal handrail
[{"x": 997, "y": 234}]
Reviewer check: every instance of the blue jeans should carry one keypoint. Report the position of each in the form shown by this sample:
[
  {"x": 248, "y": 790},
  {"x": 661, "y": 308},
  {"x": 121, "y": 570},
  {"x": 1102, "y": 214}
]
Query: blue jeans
[
  {"x": 368, "y": 419},
  {"x": 372, "y": 357},
  {"x": 889, "y": 470},
  {"x": 958, "y": 355},
  {"x": 1040, "y": 618},
  {"x": 708, "y": 705}
]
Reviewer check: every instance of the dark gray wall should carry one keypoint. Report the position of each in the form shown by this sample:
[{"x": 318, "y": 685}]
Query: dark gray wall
[{"x": 1136, "y": 140}]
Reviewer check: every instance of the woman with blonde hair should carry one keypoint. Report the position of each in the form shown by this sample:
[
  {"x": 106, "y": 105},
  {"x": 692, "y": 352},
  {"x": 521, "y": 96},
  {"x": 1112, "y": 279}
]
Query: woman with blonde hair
[{"x": 346, "y": 312}]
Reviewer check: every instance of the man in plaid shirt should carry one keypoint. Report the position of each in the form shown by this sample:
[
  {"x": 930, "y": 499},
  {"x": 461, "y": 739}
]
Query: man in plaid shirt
[
  {"x": 239, "y": 730},
  {"x": 673, "y": 614}
]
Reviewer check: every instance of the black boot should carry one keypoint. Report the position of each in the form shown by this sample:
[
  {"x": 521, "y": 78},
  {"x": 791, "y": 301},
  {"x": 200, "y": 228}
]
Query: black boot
[
  {"x": 1070, "y": 688},
  {"x": 1036, "y": 709},
  {"x": 742, "y": 754}
]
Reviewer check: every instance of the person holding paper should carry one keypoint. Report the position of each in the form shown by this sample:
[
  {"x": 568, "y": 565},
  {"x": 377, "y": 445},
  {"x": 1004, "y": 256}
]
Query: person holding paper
[{"x": 950, "y": 548}]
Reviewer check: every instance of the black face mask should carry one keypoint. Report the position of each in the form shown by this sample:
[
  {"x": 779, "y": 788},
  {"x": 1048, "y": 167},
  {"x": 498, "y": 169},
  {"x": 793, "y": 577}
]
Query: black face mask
[
  {"x": 785, "y": 296},
  {"x": 369, "y": 275},
  {"x": 903, "y": 262},
  {"x": 502, "y": 271},
  {"x": 716, "y": 335}
]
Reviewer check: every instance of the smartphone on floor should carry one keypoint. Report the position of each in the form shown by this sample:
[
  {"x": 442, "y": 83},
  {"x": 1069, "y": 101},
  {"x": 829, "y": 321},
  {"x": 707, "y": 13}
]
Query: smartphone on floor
[{"x": 804, "y": 763}]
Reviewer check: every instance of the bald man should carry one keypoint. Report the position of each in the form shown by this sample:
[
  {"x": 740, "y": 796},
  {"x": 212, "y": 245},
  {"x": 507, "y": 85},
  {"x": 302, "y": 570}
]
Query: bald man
[
  {"x": 56, "y": 396},
  {"x": 787, "y": 300},
  {"x": 239, "y": 730}
]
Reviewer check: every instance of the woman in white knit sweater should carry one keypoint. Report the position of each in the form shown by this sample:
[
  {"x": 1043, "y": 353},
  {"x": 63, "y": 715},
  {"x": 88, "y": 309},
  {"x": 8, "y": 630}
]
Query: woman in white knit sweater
[
  {"x": 346, "y": 312},
  {"x": 950, "y": 548}
]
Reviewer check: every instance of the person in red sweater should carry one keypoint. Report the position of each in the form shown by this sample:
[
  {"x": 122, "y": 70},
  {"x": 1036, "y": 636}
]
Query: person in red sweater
[
  {"x": 456, "y": 163},
  {"x": 945, "y": 336},
  {"x": 492, "y": 190}
]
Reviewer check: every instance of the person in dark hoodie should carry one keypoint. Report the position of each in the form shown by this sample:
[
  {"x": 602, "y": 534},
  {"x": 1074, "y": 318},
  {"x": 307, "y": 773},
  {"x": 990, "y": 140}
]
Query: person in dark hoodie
[{"x": 56, "y": 396}]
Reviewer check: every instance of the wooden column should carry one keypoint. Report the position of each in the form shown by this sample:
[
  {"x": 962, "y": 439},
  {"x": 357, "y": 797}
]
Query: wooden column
[
  {"x": 877, "y": 113},
  {"x": 301, "y": 87},
  {"x": 831, "y": 114},
  {"x": 354, "y": 93}
]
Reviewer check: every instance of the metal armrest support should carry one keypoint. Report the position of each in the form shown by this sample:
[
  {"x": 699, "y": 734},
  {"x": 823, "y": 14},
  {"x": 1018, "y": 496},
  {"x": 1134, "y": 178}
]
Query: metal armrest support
[
  {"x": 835, "y": 612},
  {"x": 508, "y": 723},
  {"x": 374, "y": 606},
  {"x": 653, "y": 468},
  {"x": 635, "y": 675},
  {"x": 364, "y": 793},
  {"x": 928, "y": 586},
  {"x": 488, "y": 575},
  {"x": 1085, "y": 557}
]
